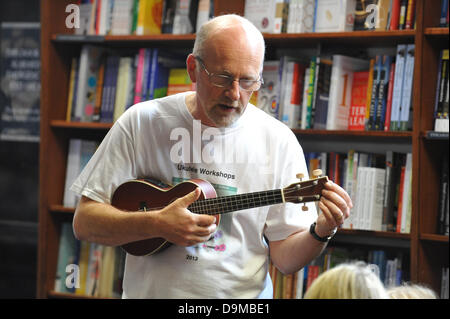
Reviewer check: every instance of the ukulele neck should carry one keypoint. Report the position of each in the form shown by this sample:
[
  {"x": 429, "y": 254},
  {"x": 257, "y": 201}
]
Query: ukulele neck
[{"x": 227, "y": 204}]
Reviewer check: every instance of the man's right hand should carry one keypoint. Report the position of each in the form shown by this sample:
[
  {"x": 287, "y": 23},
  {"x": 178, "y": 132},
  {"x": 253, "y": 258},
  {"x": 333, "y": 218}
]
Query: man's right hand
[{"x": 179, "y": 226}]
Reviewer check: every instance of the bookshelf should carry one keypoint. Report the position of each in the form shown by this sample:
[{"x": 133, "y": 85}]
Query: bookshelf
[{"x": 427, "y": 251}]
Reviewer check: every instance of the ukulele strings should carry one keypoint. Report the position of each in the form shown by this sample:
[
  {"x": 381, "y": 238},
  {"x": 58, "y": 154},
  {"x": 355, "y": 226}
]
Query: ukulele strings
[{"x": 226, "y": 204}]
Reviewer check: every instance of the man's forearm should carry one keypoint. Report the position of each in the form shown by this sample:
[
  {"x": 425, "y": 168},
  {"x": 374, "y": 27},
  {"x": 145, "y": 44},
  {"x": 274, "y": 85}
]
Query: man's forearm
[
  {"x": 295, "y": 252},
  {"x": 104, "y": 224}
]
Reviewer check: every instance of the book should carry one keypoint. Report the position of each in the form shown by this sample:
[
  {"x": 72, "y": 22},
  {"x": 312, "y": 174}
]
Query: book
[
  {"x": 322, "y": 93},
  {"x": 398, "y": 86},
  {"x": 290, "y": 99},
  {"x": 124, "y": 81},
  {"x": 89, "y": 66},
  {"x": 109, "y": 88},
  {"x": 262, "y": 14},
  {"x": 387, "y": 117},
  {"x": 410, "y": 14},
  {"x": 374, "y": 95},
  {"x": 357, "y": 113},
  {"x": 67, "y": 255},
  {"x": 407, "y": 90},
  {"x": 179, "y": 81},
  {"x": 376, "y": 191},
  {"x": 310, "y": 97},
  {"x": 385, "y": 72},
  {"x": 205, "y": 12},
  {"x": 334, "y": 16},
  {"x": 395, "y": 15},
  {"x": 340, "y": 90},
  {"x": 392, "y": 180},
  {"x": 181, "y": 21},
  {"x": 149, "y": 17},
  {"x": 443, "y": 20},
  {"x": 268, "y": 94},
  {"x": 407, "y": 196},
  {"x": 441, "y": 99},
  {"x": 122, "y": 17},
  {"x": 168, "y": 16},
  {"x": 402, "y": 14},
  {"x": 72, "y": 88}
]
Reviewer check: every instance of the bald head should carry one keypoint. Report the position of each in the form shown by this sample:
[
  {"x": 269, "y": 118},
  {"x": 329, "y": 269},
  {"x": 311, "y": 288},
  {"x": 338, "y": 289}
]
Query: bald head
[{"x": 236, "y": 31}]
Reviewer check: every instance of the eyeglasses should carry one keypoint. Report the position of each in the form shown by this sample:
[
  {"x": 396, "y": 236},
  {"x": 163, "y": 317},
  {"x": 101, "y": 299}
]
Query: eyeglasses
[{"x": 225, "y": 81}]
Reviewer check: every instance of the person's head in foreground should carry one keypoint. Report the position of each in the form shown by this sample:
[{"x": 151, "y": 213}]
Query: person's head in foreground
[
  {"x": 411, "y": 291},
  {"x": 355, "y": 280}
]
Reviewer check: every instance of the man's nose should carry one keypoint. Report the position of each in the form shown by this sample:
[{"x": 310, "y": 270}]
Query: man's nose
[{"x": 233, "y": 92}]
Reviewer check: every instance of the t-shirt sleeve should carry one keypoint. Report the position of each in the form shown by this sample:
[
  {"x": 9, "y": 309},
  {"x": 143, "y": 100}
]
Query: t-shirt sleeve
[
  {"x": 112, "y": 164},
  {"x": 286, "y": 219}
]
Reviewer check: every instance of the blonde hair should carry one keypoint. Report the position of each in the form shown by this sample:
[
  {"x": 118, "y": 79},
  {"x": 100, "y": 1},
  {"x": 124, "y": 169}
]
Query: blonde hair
[
  {"x": 411, "y": 291},
  {"x": 355, "y": 280}
]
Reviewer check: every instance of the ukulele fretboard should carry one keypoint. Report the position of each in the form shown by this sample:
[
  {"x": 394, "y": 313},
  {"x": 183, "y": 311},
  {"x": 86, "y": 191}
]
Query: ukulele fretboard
[{"x": 227, "y": 204}]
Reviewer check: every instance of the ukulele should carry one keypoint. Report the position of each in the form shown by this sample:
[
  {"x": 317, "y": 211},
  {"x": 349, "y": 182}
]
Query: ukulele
[{"x": 146, "y": 195}]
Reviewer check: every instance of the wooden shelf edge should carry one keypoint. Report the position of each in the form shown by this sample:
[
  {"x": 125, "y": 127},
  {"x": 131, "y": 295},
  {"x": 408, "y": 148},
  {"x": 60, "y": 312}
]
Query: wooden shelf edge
[
  {"x": 432, "y": 135},
  {"x": 376, "y": 234},
  {"x": 437, "y": 31},
  {"x": 393, "y": 134},
  {"x": 73, "y": 38},
  {"x": 434, "y": 238},
  {"x": 346, "y": 34},
  {"x": 62, "y": 295},
  {"x": 98, "y": 39},
  {"x": 80, "y": 125},
  {"x": 60, "y": 209}
]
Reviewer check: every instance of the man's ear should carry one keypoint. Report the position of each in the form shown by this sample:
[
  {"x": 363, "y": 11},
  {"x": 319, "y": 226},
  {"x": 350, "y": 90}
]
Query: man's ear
[{"x": 191, "y": 67}]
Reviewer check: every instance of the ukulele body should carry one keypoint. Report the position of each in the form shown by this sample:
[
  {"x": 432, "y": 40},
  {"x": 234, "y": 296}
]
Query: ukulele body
[{"x": 143, "y": 195}]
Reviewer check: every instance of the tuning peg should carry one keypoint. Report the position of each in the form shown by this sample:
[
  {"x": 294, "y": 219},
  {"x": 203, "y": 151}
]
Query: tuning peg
[
  {"x": 304, "y": 208},
  {"x": 300, "y": 176},
  {"x": 317, "y": 173}
]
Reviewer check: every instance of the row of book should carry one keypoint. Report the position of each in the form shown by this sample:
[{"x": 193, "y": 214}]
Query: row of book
[
  {"x": 340, "y": 92},
  {"x": 142, "y": 17},
  {"x": 103, "y": 84},
  {"x": 79, "y": 153},
  {"x": 378, "y": 184},
  {"x": 390, "y": 268},
  {"x": 88, "y": 269},
  {"x": 441, "y": 100},
  {"x": 301, "y": 16}
]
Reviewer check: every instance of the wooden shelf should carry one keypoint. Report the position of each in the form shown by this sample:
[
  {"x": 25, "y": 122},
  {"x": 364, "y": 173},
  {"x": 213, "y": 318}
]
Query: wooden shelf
[
  {"x": 60, "y": 209},
  {"x": 434, "y": 238},
  {"x": 436, "y": 31},
  {"x": 59, "y": 295},
  {"x": 432, "y": 135},
  {"x": 80, "y": 125},
  {"x": 406, "y": 135}
]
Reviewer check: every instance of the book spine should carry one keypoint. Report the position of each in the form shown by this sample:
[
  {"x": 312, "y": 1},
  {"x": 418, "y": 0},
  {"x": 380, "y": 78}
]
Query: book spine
[
  {"x": 403, "y": 10},
  {"x": 382, "y": 93},
  {"x": 374, "y": 98},
  {"x": 410, "y": 15},
  {"x": 395, "y": 15},
  {"x": 387, "y": 118}
]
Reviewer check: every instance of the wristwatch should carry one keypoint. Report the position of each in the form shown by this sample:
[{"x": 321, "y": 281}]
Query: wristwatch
[{"x": 312, "y": 231}]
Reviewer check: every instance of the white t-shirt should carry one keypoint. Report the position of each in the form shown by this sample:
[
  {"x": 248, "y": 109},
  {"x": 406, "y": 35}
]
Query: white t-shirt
[{"x": 160, "y": 139}]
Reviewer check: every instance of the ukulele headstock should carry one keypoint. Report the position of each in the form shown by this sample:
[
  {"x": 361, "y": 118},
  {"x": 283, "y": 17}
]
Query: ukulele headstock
[{"x": 305, "y": 191}]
